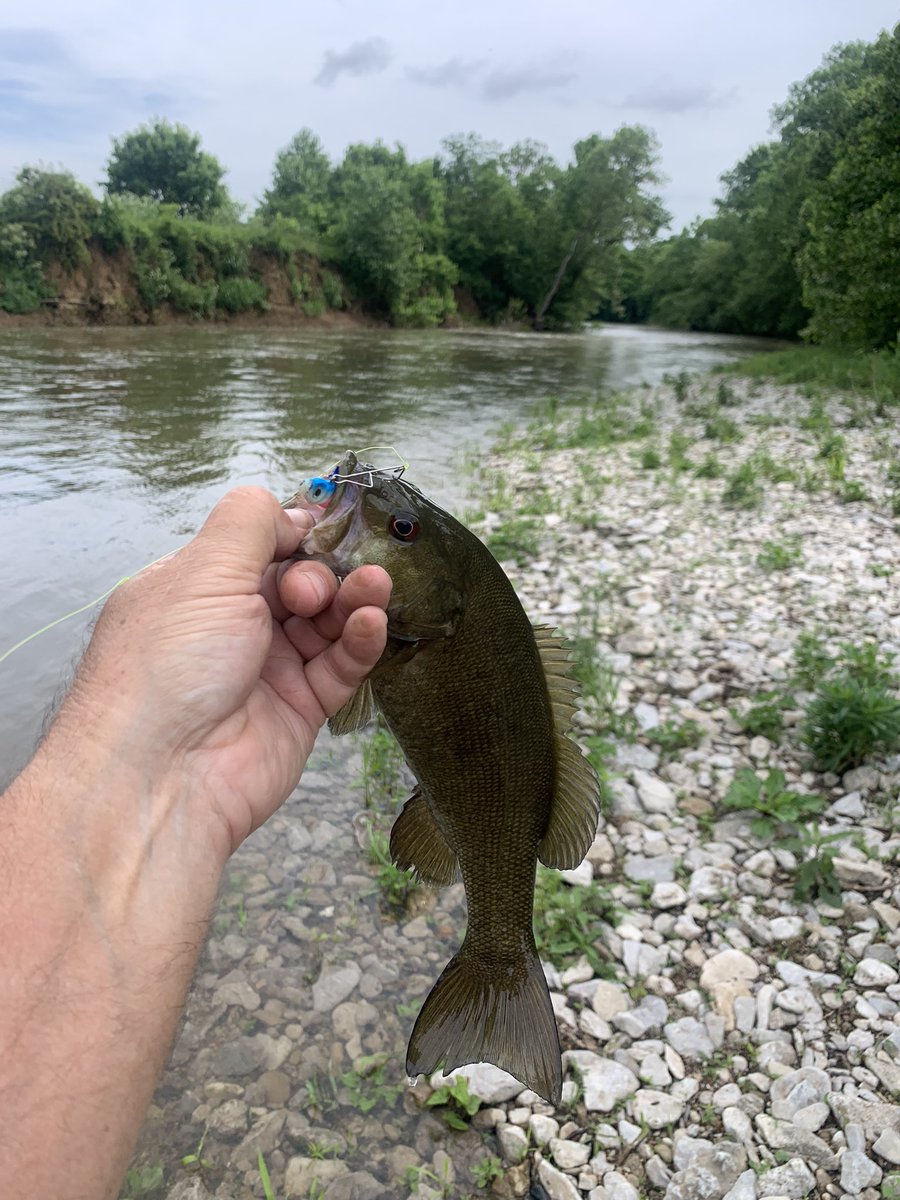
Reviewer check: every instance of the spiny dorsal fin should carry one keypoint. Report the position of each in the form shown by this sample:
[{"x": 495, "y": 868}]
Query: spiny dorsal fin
[
  {"x": 576, "y": 796},
  {"x": 357, "y": 713},
  {"x": 417, "y": 843}
]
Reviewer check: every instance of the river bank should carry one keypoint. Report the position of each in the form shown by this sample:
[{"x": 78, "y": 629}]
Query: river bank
[{"x": 709, "y": 549}]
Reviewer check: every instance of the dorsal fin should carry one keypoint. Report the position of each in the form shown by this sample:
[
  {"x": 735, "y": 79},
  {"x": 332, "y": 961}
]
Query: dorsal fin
[{"x": 576, "y": 795}]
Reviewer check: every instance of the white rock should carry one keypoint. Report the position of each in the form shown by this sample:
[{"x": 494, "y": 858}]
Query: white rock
[
  {"x": 656, "y": 1109},
  {"x": 654, "y": 795},
  {"x": 609, "y": 999},
  {"x": 711, "y": 883},
  {"x": 793, "y": 1180},
  {"x": 689, "y": 1038},
  {"x": 872, "y": 972},
  {"x": 542, "y": 1128},
  {"x": 513, "y": 1142},
  {"x": 860, "y": 779},
  {"x": 887, "y": 1146},
  {"x": 605, "y": 1082},
  {"x": 783, "y": 929},
  {"x": 668, "y": 895},
  {"x": 858, "y": 1172},
  {"x": 580, "y": 876},
  {"x": 744, "y": 1188},
  {"x": 557, "y": 1185},
  {"x": 487, "y": 1082},
  {"x": 333, "y": 986},
  {"x": 569, "y": 1155},
  {"x": 617, "y": 1187}
]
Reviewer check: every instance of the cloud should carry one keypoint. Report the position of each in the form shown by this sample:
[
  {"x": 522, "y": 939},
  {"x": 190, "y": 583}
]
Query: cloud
[
  {"x": 362, "y": 58},
  {"x": 455, "y": 72},
  {"x": 679, "y": 98},
  {"x": 504, "y": 84},
  {"x": 32, "y": 47}
]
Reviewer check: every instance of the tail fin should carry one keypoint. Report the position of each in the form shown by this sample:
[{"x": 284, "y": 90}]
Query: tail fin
[{"x": 477, "y": 1013}]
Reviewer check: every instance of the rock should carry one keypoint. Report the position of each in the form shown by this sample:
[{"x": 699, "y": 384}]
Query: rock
[
  {"x": 569, "y": 1155},
  {"x": 542, "y": 1128},
  {"x": 711, "y": 883},
  {"x": 744, "y": 1187},
  {"x": 641, "y": 869},
  {"x": 230, "y": 1120},
  {"x": 668, "y": 895},
  {"x": 784, "y": 1135},
  {"x": 726, "y": 976},
  {"x": 617, "y": 1187},
  {"x": 689, "y": 1037},
  {"x": 264, "y": 1136},
  {"x": 639, "y": 642},
  {"x": 793, "y": 1181},
  {"x": 277, "y": 1088},
  {"x": 605, "y": 1082},
  {"x": 609, "y": 999},
  {"x": 234, "y": 1060},
  {"x": 333, "y": 986},
  {"x": 487, "y": 1082},
  {"x": 871, "y": 1116},
  {"x": 887, "y": 1146},
  {"x": 557, "y": 1185},
  {"x": 648, "y": 1017},
  {"x": 737, "y": 1125},
  {"x": 860, "y": 779},
  {"x": 580, "y": 876},
  {"x": 513, "y": 1142},
  {"x": 623, "y": 804},
  {"x": 858, "y": 1172},
  {"x": 646, "y": 715},
  {"x": 797, "y": 1089},
  {"x": 656, "y": 1109},
  {"x": 712, "y": 1171},
  {"x": 303, "y": 1174},
  {"x": 850, "y": 806},
  {"x": 189, "y": 1189},
  {"x": 865, "y": 873},
  {"x": 239, "y": 993},
  {"x": 655, "y": 795},
  {"x": 760, "y": 748},
  {"x": 358, "y": 1185},
  {"x": 871, "y": 972}
]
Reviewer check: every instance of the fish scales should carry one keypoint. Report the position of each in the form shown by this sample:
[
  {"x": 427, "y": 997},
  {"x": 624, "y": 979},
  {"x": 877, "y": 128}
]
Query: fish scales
[{"x": 479, "y": 702}]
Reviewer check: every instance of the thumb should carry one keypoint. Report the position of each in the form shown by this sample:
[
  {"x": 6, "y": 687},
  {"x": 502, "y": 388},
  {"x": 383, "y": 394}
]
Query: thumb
[{"x": 245, "y": 532}]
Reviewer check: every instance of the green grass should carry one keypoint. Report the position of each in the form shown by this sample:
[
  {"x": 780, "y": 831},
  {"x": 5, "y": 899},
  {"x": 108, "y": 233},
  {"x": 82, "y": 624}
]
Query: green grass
[
  {"x": 855, "y": 712},
  {"x": 395, "y": 886},
  {"x": 743, "y": 488},
  {"x": 710, "y": 468},
  {"x": 765, "y": 718},
  {"x": 567, "y": 920},
  {"x": 516, "y": 539},
  {"x": 457, "y": 1103},
  {"x": 675, "y": 736},
  {"x": 779, "y": 556},
  {"x": 487, "y": 1170},
  {"x": 874, "y": 374},
  {"x": 382, "y": 773}
]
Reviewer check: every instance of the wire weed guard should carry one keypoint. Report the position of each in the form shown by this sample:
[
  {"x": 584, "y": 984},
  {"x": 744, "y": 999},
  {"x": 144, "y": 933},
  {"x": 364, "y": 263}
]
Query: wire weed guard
[{"x": 315, "y": 493}]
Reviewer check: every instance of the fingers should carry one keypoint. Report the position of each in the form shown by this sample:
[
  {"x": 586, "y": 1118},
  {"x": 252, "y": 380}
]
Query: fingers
[
  {"x": 310, "y": 590},
  {"x": 306, "y": 588},
  {"x": 245, "y": 532},
  {"x": 336, "y": 673}
]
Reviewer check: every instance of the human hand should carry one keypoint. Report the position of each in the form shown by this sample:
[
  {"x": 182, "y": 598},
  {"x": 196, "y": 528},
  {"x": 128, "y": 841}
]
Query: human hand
[{"x": 210, "y": 674}]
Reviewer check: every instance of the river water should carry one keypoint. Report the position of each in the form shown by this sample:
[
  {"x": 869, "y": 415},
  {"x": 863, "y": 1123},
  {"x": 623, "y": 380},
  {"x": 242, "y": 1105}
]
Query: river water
[{"x": 114, "y": 443}]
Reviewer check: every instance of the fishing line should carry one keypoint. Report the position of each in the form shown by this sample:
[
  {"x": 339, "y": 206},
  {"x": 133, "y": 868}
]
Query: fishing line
[{"x": 359, "y": 478}]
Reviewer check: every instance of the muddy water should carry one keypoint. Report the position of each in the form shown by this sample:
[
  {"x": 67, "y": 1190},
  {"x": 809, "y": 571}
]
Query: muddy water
[{"x": 113, "y": 445}]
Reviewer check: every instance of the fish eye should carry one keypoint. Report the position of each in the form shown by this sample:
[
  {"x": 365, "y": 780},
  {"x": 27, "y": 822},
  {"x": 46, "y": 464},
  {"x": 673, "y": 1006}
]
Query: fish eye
[{"x": 404, "y": 527}]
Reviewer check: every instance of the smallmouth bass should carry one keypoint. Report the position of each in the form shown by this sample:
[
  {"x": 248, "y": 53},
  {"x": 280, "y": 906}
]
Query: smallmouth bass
[{"x": 480, "y": 702}]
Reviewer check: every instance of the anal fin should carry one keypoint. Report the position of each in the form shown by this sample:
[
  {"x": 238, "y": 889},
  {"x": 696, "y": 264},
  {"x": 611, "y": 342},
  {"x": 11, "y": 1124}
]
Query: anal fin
[
  {"x": 417, "y": 844},
  {"x": 359, "y": 711}
]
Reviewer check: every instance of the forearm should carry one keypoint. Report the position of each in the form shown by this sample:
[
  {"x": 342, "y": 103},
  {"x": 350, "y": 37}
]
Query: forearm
[{"x": 107, "y": 887}]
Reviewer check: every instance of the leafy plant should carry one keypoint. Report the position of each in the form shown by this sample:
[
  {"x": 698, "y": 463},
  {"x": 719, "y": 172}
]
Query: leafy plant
[
  {"x": 722, "y": 429},
  {"x": 673, "y": 736},
  {"x": 382, "y": 773},
  {"x": 765, "y": 718},
  {"x": 679, "y": 444},
  {"x": 650, "y": 458},
  {"x": 141, "y": 1182},
  {"x": 815, "y": 877},
  {"x": 459, "y": 1105},
  {"x": 777, "y": 809},
  {"x": 743, "y": 489},
  {"x": 369, "y": 1084},
  {"x": 855, "y": 712},
  {"x": 487, "y": 1170},
  {"x": 710, "y": 468},
  {"x": 196, "y": 1161},
  {"x": 812, "y": 661},
  {"x": 568, "y": 920},
  {"x": 396, "y": 886},
  {"x": 852, "y": 491},
  {"x": 779, "y": 556}
]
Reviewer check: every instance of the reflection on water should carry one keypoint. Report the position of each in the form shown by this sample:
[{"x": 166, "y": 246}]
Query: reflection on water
[{"x": 114, "y": 443}]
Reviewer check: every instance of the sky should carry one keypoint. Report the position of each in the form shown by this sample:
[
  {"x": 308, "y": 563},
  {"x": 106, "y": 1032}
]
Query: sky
[{"x": 703, "y": 74}]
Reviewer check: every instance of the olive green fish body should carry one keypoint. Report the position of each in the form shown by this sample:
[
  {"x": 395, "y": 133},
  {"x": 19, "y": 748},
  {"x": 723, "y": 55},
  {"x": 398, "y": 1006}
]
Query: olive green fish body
[{"x": 478, "y": 701}]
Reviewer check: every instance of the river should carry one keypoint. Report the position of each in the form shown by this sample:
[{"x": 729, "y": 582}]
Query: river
[{"x": 114, "y": 443}]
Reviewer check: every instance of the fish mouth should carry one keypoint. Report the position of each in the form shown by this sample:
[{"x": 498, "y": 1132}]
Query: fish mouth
[{"x": 331, "y": 532}]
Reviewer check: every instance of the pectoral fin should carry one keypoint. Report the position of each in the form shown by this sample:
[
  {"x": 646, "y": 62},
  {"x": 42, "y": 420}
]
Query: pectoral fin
[
  {"x": 359, "y": 711},
  {"x": 418, "y": 844},
  {"x": 576, "y": 798}
]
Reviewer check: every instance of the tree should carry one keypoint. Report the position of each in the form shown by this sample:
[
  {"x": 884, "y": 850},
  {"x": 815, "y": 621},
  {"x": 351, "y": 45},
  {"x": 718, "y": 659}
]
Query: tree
[
  {"x": 56, "y": 212},
  {"x": 301, "y": 183},
  {"x": 164, "y": 162}
]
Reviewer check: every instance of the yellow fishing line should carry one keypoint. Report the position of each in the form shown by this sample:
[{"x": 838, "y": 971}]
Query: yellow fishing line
[{"x": 75, "y": 611}]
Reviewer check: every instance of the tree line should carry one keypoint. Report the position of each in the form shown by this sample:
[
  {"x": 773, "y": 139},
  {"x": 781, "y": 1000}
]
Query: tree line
[
  {"x": 805, "y": 240},
  {"x": 806, "y": 237},
  {"x": 512, "y": 231}
]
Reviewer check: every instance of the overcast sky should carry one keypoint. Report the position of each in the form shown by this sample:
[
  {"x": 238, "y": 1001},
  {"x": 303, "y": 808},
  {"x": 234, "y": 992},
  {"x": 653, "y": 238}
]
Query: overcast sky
[{"x": 702, "y": 73}]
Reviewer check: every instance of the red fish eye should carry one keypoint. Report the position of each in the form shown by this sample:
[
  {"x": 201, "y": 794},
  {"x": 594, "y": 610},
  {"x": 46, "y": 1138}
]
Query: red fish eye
[{"x": 403, "y": 527}]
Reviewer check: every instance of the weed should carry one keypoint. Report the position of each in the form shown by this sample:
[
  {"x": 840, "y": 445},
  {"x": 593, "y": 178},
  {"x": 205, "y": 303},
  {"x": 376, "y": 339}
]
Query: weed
[
  {"x": 710, "y": 468},
  {"x": 779, "y": 556},
  {"x": 765, "y": 718},
  {"x": 268, "y": 1190},
  {"x": 679, "y": 444},
  {"x": 852, "y": 491},
  {"x": 776, "y": 808},
  {"x": 382, "y": 775},
  {"x": 674, "y": 736},
  {"x": 725, "y": 395},
  {"x": 369, "y": 1085},
  {"x": 396, "y": 886},
  {"x": 815, "y": 877},
  {"x": 650, "y": 458},
  {"x": 743, "y": 489},
  {"x": 771, "y": 468},
  {"x": 722, "y": 429},
  {"x": 855, "y": 712},
  {"x": 487, "y": 1170},
  {"x": 833, "y": 449},
  {"x": 680, "y": 385},
  {"x": 459, "y": 1105},
  {"x": 567, "y": 920},
  {"x": 812, "y": 661},
  {"x": 892, "y": 479},
  {"x": 881, "y": 570},
  {"x": 142, "y": 1181},
  {"x": 514, "y": 540},
  {"x": 196, "y": 1161}
]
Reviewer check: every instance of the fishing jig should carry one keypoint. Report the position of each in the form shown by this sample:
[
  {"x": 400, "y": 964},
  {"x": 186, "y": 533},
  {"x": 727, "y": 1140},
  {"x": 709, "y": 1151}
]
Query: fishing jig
[{"x": 317, "y": 490}]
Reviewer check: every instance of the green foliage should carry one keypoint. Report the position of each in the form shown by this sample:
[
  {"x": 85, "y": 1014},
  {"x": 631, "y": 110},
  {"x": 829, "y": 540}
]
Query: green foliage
[
  {"x": 812, "y": 661},
  {"x": 765, "y": 717},
  {"x": 775, "y": 806},
  {"x": 458, "y": 1104},
  {"x": 382, "y": 775},
  {"x": 743, "y": 488},
  {"x": 486, "y": 1170},
  {"x": 265, "y": 1180},
  {"x": 22, "y": 286},
  {"x": 515, "y": 539},
  {"x": 815, "y": 877},
  {"x": 710, "y": 468},
  {"x": 237, "y": 295},
  {"x": 855, "y": 712},
  {"x": 55, "y": 211},
  {"x": 369, "y": 1084},
  {"x": 568, "y": 920},
  {"x": 779, "y": 556},
  {"x": 674, "y": 736},
  {"x": 650, "y": 458},
  {"x": 722, "y": 429},
  {"x": 395, "y": 886},
  {"x": 301, "y": 183},
  {"x": 164, "y": 162},
  {"x": 852, "y": 491},
  {"x": 679, "y": 444},
  {"x": 141, "y": 1182}
]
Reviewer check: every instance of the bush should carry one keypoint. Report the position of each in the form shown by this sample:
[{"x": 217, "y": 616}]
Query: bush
[
  {"x": 57, "y": 212},
  {"x": 855, "y": 712},
  {"x": 22, "y": 286},
  {"x": 241, "y": 295}
]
